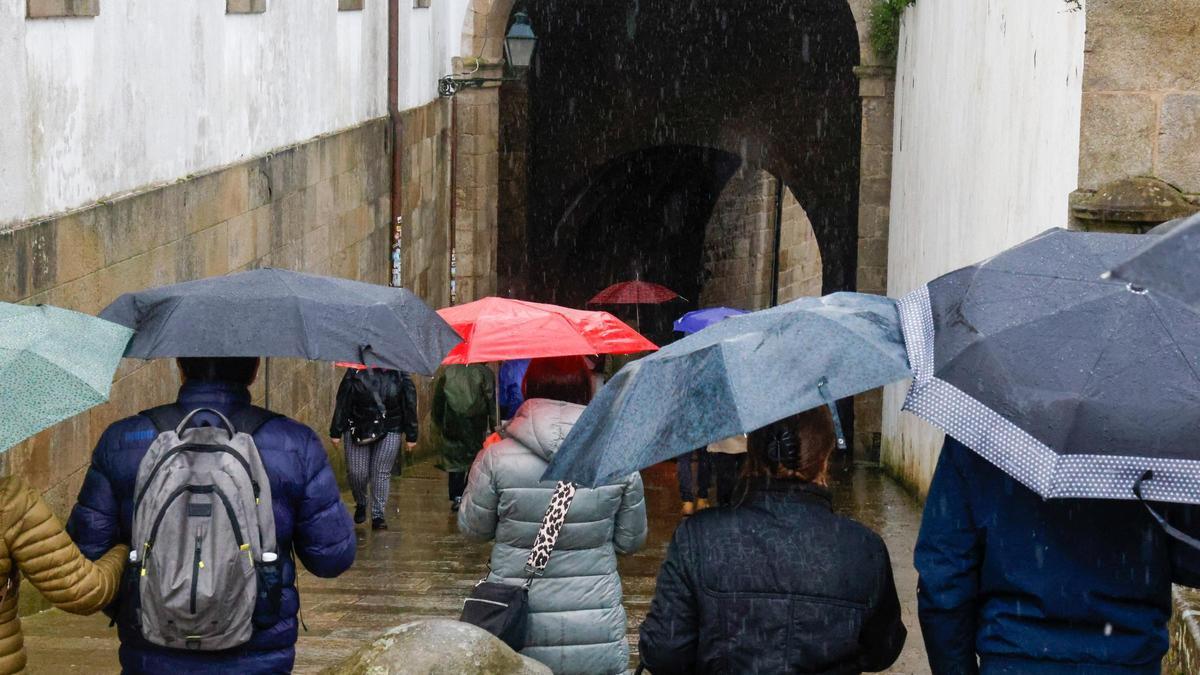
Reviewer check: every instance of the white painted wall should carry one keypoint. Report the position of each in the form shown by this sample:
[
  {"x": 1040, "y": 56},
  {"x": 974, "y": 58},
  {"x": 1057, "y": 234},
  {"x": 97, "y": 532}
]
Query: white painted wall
[
  {"x": 986, "y": 151},
  {"x": 152, "y": 91},
  {"x": 429, "y": 38}
]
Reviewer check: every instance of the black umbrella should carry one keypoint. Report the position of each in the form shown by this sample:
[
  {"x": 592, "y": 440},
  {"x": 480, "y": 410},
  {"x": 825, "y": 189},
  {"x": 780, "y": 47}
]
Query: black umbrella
[
  {"x": 1169, "y": 263},
  {"x": 1074, "y": 385},
  {"x": 273, "y": 312}
]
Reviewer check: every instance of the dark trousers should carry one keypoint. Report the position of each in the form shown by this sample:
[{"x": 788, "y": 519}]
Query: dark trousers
[
  {"x": 728, "y": 469},
  {"x": 458, "y": 484},
  {"x": 690, "y": 488}
]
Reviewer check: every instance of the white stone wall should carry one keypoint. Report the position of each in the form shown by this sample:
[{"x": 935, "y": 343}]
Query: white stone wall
[
  {"x": 152, "y": 91},
  {"x": 429, "y": 38},
  {"x": 986, "y": 152}
]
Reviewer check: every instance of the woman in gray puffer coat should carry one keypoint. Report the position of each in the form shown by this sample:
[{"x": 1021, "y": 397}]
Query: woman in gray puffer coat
[{"x": 576, "y": 621}]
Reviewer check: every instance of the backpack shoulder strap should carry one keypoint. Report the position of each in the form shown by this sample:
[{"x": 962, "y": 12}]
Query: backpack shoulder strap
[
  {"x": 249, "y": 419},
  {"x": 165, "y": 417}
]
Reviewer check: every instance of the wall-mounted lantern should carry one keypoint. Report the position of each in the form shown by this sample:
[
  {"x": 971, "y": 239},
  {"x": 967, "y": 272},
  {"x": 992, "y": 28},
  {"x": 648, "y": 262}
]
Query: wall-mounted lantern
[{"x": 519, "y": 45}]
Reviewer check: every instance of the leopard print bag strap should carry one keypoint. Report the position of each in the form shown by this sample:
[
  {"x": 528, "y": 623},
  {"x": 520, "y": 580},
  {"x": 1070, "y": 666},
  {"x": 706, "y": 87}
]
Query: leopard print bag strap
[{"x": 547, "y": 536}]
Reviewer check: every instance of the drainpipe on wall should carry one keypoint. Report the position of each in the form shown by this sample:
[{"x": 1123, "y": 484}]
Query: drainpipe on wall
[
  {"x": 778, "y": 242},
  {"x": 396, "y": 133},
  {"x": 453, "y": 199}
]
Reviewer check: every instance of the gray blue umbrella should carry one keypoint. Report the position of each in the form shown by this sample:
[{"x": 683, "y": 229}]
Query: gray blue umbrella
[
  {"x": 54, "y": 364},
  {"x": 732, "y": 378},
  {"x": 273, "y": 312},
  {"x": 1169, "y": 263},
  {"x": 1074, "y": 385}
]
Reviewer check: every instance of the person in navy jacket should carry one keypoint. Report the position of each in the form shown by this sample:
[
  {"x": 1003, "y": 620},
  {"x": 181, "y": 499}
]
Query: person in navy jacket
[
  {"x": 1014, "y": 584},
  {"x": 309, "y": 516}
]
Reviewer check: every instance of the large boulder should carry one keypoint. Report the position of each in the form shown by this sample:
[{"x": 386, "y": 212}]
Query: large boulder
[{"x": 437, "y": 647}]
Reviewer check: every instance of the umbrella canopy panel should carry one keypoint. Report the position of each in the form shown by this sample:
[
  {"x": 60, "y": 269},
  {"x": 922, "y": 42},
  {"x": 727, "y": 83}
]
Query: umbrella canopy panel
[
  {"x": 1168, "y": 264},
  {"x": 737, "y": 376},
  {"x": 1072, "y": 384},
  {"x": 500, "y": 329},
  {"x": 54, "y": 364},
  {"x": 273, "y": 312},
  {"x": 634, "y": 293}
]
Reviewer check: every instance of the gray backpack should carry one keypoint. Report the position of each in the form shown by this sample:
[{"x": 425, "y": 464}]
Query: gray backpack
[{"x": 207, "y": 570}]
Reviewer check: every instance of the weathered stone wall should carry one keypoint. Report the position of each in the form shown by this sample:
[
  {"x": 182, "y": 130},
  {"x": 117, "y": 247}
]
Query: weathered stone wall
[
  {"x": 1141, "y": 96},
  {"x": 1184, "y": 656},
  {"x": 425, "y": 185},
  {"x": 425, "y": 229},
  {"x": 739, "y": 245},
  {"x": 799, "y": 254},
  {"x": 320, "y": 206},
  {"x": 476, "y": 188}
]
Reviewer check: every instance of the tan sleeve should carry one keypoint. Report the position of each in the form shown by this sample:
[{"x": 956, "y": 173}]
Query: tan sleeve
[{"x": 44, "y": 552}]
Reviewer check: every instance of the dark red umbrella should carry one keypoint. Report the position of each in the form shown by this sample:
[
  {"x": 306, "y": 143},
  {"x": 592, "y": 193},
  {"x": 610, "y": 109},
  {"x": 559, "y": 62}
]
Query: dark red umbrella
[{"x": 634, "y": 293}]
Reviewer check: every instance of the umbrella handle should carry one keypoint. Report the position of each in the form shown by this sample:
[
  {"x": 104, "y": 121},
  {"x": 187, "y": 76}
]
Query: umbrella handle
[
  {"x": 188, "y": 418},
  {"x": 823, "y": 387},
  {"x": 1170, "y": 529}
]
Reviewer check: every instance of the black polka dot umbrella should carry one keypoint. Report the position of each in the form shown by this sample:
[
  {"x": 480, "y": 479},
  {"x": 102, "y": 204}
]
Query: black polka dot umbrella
[{"x": 1075, "y": 385}]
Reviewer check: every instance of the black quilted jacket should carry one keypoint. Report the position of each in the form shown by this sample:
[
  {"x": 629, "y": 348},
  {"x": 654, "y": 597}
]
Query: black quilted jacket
[
  {"x": 779, "y": 584},
  {"x": 355, "y": 402}
]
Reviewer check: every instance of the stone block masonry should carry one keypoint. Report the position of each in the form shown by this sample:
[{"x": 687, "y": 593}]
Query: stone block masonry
[
  {"x": 321, "y": 206},
  {"x": 51, "y": 9},
  {"x": 425, "y": 181},
  {"x": 425, "y": 226},
  {"x": 1141, "y": 99}
]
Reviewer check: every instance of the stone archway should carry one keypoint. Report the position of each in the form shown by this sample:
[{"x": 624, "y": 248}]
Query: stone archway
[{"x": 859, "y": 261}]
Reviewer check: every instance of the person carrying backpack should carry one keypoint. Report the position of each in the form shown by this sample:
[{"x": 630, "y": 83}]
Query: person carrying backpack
[
  {"x": 464, "y": 412},
  {"x": 376, "y": 411},
  {"x": 215, "y": 496}
]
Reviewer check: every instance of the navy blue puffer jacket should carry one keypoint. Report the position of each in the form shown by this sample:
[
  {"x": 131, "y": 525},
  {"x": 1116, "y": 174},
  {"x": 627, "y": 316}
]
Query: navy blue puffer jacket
[
  {"x": 309, "y": 516},
  {"x": 1012, "y": 584}
]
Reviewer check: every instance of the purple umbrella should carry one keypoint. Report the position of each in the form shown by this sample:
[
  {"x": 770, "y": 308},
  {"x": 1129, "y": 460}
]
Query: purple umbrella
[{"x": 694, "y": 322}]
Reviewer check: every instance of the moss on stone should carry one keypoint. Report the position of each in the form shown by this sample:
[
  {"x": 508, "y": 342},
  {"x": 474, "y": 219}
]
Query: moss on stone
[{"x": 885, "y": 28}]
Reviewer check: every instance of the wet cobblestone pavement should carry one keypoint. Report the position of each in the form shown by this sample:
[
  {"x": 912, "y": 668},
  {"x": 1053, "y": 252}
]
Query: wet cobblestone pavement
[{"x": 422, "y": 568}]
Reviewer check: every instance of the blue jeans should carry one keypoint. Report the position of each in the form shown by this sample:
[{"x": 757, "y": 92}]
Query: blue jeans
[{"x": 683, "y": 469}]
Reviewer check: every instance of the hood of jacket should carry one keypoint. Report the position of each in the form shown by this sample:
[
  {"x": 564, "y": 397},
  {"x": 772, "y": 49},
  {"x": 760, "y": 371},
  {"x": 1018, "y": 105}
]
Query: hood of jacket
[{"x": 542, "y": 425}]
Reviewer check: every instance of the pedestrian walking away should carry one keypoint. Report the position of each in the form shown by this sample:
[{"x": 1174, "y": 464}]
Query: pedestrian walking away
[
  {"x": 727, "y": 457},
  {"x": 779, "y": 583},
  {"x": 306, "y": 509},
  {"x": 1013, "y": 584},
  {"x": 464, "y": 414},
  {"x": 512, "y": 375},
  {"x": 693, "y": 486},
  {"x": 376, "y": 413},
  {"x": 576, "y": 619}
]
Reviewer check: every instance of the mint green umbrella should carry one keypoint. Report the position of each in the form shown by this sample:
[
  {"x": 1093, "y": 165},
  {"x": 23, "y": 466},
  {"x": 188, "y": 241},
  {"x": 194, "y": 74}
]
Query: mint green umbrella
[{"x": 54, "y": 364}]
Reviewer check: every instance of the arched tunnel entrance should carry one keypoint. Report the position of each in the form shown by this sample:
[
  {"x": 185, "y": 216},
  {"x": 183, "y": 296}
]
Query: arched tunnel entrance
[{"x": 623, "y": 145}]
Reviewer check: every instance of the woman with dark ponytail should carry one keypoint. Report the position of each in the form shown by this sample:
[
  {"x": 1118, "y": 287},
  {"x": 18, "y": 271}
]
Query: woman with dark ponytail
[{"x": 777, "y": 583}]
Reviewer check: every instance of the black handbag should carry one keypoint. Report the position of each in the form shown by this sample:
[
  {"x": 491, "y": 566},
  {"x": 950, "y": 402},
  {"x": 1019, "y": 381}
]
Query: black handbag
[
  {"x": 503, "y": 609},
  {"x": 373, "y": 430}
]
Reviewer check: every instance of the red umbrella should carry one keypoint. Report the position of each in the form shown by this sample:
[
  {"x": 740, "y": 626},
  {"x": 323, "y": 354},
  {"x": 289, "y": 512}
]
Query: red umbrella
[
  {"x": 634, "y": 293},
  {"x": 500, "y": 329}
]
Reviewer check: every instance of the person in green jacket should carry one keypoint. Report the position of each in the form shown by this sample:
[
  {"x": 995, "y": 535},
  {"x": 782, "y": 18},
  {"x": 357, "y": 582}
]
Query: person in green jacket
[{"x": 464, "y": 413}]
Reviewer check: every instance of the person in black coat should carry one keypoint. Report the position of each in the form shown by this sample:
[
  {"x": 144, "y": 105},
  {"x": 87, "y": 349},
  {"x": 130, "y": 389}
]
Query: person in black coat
[
  {"x": 375, "y": 409},
  {"x": 1013, "y": 584},
  {"x": 777, "y": 583}
]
